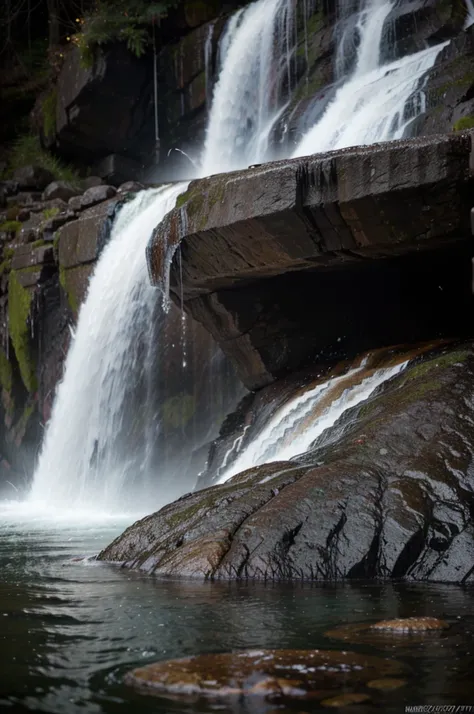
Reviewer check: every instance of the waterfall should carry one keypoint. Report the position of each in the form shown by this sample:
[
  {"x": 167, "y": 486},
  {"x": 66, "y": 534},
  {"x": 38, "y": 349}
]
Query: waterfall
[
  {"x": 256, "y": 57},
  {"x": 86, "y": 456},
  {"x": 304, "y": 418},
  {"x": 470, "y": 14},
  {"x": 378, "y": 101},
  {"x": 100, "y": 447}
]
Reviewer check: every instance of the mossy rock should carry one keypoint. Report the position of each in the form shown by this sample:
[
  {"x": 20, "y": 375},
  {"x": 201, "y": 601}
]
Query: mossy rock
[
  {"x": 19, "y": 306},
  {"x": 178, "y": 410},
  {"x": 10, "y": 227},
  {"x": 6, "y": 372},
  {"x": 464, "y": 124}
]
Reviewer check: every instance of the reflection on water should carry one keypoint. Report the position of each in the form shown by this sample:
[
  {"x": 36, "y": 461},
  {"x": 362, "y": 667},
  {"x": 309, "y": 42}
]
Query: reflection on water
[{"x": 70, "y": 629}]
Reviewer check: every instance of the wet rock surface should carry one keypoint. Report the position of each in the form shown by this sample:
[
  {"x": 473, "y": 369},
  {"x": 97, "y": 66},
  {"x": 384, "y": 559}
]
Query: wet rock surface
[
  {"x": 275, "y": 674},
  {"x": 260, "y": 246},
  {"x": 410, "y": 624},
  {"x": 390, "y": 498}
]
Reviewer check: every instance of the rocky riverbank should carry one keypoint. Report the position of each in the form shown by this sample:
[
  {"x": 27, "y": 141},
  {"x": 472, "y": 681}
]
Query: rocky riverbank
[{"x": 389, "y": 498}]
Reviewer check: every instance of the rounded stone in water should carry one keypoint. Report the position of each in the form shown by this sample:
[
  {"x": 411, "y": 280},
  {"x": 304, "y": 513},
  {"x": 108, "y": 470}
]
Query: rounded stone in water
[
  {"x": 343, "y": 700},
  {"x": 381, "y": 633},
  {"x": 410, "y": 624},
  {"x": 266, "y": 673},
  {"x": 386, "y": 685}
]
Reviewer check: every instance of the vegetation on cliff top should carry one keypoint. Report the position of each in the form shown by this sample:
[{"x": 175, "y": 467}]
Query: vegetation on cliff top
[
  {"x": 27, "y": 150},
  {"x": 126, "y": 21}
]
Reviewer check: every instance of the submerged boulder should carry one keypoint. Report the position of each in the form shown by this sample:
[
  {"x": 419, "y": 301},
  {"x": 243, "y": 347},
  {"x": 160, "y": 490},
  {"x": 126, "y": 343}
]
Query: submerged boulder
[
  {"x": 292, "y": 674},
  {"x": 390, "y": 498}
]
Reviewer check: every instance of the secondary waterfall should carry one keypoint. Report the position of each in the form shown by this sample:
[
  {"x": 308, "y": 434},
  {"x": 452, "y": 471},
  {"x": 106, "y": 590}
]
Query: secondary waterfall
[
  {"x": 255, "y": 80},
  {"x": 305, "y": 417},
  {"x": 378, "y": 101}
]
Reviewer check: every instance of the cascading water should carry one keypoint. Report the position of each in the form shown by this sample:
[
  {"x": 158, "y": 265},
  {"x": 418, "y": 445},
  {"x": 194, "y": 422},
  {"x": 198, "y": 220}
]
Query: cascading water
[
  {"x": 303, "y": 418},
  {"x": 83, "y": 459},
  {"x": 103, "y": 433},
  {"x": 470, "y": 14},
  {"x": 256, "y": 57},
  {"x": 378, "y": 101}
]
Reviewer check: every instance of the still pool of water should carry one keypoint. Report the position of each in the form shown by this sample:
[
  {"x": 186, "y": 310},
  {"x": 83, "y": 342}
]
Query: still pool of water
[{"x": 70, "y": 629}]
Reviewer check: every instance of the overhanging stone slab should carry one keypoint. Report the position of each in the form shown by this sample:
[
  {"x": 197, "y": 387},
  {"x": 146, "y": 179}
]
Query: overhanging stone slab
[
  {"x": 321, "y": 210},
  {"x": 315, "y": 259}
]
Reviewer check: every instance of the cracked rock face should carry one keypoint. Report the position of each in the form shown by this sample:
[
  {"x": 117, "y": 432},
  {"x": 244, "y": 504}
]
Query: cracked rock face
[{"x": 392, "y": 498}]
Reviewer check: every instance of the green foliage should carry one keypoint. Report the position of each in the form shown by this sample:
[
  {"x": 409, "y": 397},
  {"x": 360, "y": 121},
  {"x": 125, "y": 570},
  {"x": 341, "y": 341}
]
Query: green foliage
[
  {"x": 10, "y": 227},
  {"x": 28, "y": 150},
  {"x": 119, "y": 21},
  {"x": 50, "y": 212},
  {"x": 49, "y": 112},
  {"x": 19, "y": 304},
  {"x": 464, "y": 123}
]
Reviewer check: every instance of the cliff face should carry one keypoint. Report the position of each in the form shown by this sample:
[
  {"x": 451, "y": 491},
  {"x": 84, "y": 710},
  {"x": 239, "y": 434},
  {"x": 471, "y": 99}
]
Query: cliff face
[
  {"x": 264, "y": 249},
  {"x": 188, "y": 63},
  {"x": 390, "y": 497},
  {"x": 49, "y": 252}
]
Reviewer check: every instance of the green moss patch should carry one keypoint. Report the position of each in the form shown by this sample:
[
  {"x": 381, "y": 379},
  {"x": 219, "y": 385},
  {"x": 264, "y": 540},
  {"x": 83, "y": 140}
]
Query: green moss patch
[
  {"x": 6, "y": 372},
  {"x": 464, "y": 124},
  {"x": 10, "y": 227},
  {"x": 178, "y": 410},
  {"x": 63, "y": 281},
  {"x": 19, "y": 304},
  {"x": 50, "y": 213}
]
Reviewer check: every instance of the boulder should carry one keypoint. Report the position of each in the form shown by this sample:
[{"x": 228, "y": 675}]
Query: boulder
[
  {"x": 23, "y": 215},
  {"x": 131, "y": 187},
  {"x": 389, "y": 497},
  {"x": 115, "y": 169},
  {"x": 55, "y": 203},
  {"x": 60, "y": 189},
  {"x": 33, "y": 177},
  {"x": 9, "y": 188},
  {"x": 32, "y": 229},
  {"x": 27, "y": 256},
  {"x": 279, "y": 675},
  {"x": 97, "y": 194},
  {"x": 24, "y": 198},
  {"x": 91, "y": 181},
  {"x": 105, "y": 108},
  {"x": 75, "y": 203},
  {"x": 259, "y": 247},
  {"x": 51, "y": 225}
]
